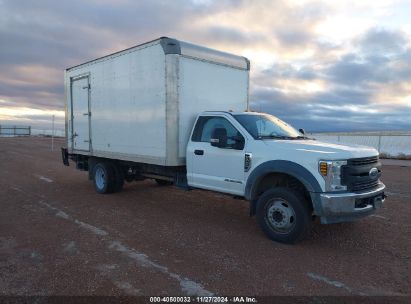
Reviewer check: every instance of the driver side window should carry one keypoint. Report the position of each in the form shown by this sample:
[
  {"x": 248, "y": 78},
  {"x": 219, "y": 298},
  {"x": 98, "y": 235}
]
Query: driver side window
[{"x": 206, "y": 125}]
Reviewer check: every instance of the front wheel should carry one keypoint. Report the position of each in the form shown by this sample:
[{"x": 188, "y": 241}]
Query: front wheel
[{"x": 284, "y": 215}]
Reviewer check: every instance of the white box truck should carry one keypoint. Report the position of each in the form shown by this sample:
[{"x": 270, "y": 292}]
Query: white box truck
[{"x": 178, "y": 113}]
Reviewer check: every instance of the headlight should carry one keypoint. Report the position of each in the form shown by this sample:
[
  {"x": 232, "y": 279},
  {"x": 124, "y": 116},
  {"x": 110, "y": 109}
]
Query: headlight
[{"x": 331, "y": 172}]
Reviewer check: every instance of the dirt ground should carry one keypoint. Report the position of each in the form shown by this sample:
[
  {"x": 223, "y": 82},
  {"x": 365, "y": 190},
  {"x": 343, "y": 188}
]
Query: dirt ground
[{"x": 59, "y": 237}]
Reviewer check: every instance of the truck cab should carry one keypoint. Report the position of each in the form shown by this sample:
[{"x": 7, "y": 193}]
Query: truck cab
[{"x": 287, "y": 177}]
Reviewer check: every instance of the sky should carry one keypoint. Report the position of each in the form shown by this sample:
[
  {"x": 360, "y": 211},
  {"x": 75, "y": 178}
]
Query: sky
[{"x": 328, "y": 65}]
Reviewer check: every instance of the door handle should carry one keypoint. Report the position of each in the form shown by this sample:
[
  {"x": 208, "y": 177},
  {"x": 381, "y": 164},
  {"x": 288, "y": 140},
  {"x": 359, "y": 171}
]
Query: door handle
[{"x": 199, "y": 152}]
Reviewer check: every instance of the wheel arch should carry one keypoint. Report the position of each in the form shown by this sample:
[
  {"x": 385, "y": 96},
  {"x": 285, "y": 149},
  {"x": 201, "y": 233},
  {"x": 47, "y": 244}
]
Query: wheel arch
[{"x": 282, "y": 169}]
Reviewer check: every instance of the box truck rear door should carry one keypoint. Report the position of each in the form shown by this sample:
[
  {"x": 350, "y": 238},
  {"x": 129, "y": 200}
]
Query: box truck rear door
[{"x": 80, "y": 90}]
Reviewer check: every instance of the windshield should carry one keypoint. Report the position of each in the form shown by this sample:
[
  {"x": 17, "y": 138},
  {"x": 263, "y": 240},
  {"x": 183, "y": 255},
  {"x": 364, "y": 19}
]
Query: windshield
[{"x": 263, "y": 126}]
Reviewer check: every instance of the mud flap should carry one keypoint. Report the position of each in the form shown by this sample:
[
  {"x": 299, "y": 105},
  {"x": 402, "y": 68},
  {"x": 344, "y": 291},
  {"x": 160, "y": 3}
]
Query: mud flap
[{"x": 64, "y": 155}]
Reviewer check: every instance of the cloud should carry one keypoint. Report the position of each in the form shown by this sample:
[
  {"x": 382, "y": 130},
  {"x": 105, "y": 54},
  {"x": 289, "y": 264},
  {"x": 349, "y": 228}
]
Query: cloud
[
  {"x": 320, "y": 64},
  {"x": 316, "y": 114},
  {"x": 367, "y": 87},
  {"x": 379, "y": 40},
  {"x": 231, "y": 35},
  {"x": 383, "y": 58}
]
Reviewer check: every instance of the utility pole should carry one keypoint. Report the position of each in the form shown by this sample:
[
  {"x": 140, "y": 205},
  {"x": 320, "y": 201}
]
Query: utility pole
[{"x": 52, "y": 135}]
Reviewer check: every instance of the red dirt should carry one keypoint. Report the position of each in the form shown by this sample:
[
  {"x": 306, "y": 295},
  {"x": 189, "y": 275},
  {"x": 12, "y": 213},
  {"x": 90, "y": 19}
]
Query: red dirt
[{"x": 59, "y": 237}]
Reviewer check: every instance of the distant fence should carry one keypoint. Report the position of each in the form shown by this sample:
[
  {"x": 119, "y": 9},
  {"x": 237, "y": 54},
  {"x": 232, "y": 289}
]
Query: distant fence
[
  {"x": 10, "y": 131},
  {"x": 48, "y": 132},
  {"x": 390, "y": 144},
  {"x": 15, "y": 130}
]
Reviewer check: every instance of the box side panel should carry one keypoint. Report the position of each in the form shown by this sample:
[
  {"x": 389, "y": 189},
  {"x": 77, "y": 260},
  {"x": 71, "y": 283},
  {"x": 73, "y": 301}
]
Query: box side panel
[
  {"x": 127, "y": 102},
  {"x": 204, "y": 86}
]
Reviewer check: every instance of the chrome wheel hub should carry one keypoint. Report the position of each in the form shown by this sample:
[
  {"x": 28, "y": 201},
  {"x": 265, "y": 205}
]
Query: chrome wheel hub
[
  {"x": 280, "y": 215},
  {"x": 100, "y": 178}
]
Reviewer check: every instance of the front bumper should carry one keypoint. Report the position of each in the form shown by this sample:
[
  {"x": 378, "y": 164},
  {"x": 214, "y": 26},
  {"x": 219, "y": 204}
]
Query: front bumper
[{"x": 345, "y": 207}]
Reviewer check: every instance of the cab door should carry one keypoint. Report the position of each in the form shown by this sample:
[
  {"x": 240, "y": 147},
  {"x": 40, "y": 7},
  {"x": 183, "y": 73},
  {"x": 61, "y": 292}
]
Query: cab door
[{"x": 214, "y": 168}]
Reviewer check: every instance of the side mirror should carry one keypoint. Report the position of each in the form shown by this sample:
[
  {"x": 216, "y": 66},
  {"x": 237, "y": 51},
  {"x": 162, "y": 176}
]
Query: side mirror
[
  {"x": 302, "y": 131},
  {"x": 239, "y": 142},
  {"x": 219, "y": 138}
]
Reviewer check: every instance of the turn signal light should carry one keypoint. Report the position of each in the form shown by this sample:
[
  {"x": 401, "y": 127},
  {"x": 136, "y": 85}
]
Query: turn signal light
[{"x": 323, "y": 168}]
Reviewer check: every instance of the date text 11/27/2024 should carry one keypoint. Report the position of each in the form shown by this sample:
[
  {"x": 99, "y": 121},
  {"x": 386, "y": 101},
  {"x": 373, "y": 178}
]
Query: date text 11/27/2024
[{"x": 203, "y": 299}]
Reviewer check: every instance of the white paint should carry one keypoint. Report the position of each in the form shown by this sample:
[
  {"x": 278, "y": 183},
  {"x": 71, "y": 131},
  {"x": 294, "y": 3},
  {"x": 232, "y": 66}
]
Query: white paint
[
  {"x": 71, "y": 247},
  {"x": 378, "y": 216},
  {"x": 110, "y": 267},
  {"x": 398, "y": 194},
  {"x": 128, "y": 288},
  {"x": 63, "y": 215},
  {"x": 91, "y": 228},
  {"x": 50, "y": 206},
  {"x": 107, "y": 271},
  {"x": 329, "y": 282},
  {"x": 17, "y": 189},
  {"x": 188, "y": 286},
  {"x": 36, "y": 256},
  {"x": 191, "y": 288},
  {"x": 371, "y": 291},
  {"x": 46, "y": 179}
]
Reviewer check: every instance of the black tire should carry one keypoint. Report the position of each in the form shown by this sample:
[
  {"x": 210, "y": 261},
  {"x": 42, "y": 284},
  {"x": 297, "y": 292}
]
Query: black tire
[
  {"x": 284, "y": 215},
  {"x": 104, "y": 178},
  {"x": 162, "y": 182}
]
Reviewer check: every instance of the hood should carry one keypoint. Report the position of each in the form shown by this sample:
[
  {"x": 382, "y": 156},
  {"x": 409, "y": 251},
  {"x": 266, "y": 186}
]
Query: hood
[{"x": 324, "y": 150}]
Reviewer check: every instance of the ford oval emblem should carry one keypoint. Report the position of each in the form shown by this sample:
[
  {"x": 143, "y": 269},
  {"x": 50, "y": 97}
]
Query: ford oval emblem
[{"x": 373, "y": 173}]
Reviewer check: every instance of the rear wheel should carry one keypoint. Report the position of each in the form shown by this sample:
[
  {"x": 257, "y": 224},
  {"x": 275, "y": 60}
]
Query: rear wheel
[
  {"x": 284, "y": 215},
  {"x": 104, "y": 178}
]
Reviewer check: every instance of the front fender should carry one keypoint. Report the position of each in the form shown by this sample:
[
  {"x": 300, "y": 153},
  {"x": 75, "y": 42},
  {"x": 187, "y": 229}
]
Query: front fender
[{"x": 286, "y": 167}]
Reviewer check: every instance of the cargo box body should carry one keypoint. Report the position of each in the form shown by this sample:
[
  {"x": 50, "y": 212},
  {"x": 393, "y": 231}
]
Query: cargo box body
[{"x": 140, "y": 104}]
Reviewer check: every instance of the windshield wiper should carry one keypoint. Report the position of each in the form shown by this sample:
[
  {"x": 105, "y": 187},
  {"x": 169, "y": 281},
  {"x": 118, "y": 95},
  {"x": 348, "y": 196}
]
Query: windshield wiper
[
  {"x": 281, "y": 137},
  {"x": 274, "y": 137},
  {"x": 301, "y": 137}
]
